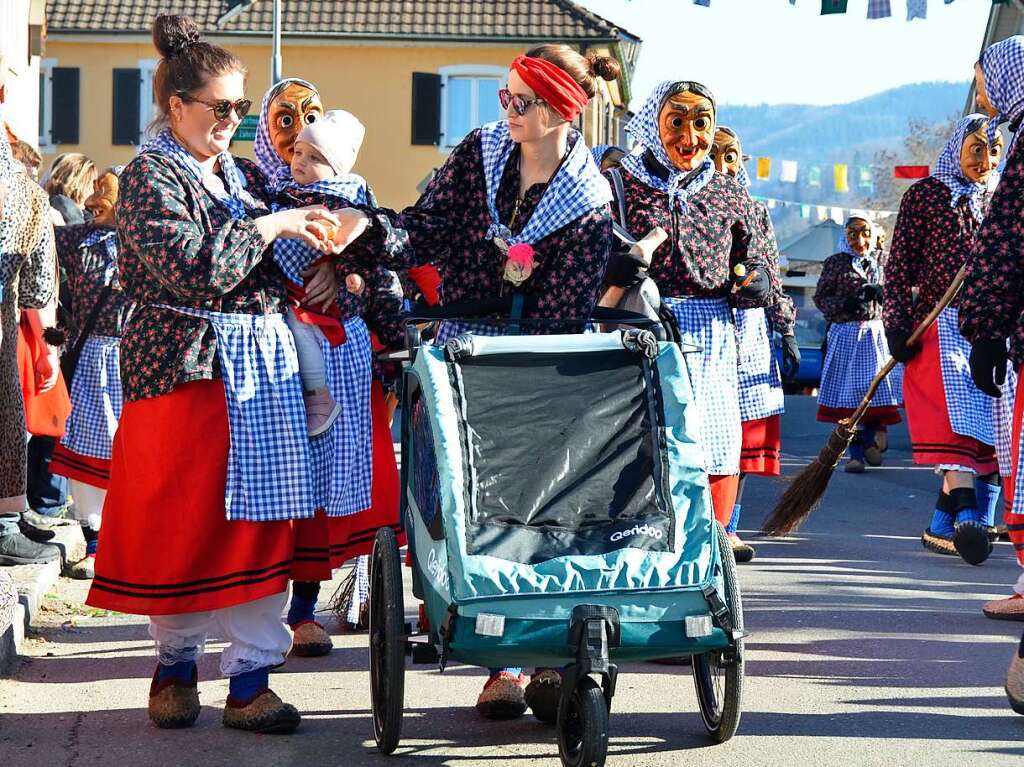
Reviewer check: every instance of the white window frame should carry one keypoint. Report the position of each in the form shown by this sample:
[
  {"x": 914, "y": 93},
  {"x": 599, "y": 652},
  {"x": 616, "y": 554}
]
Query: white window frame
[
  {"x": 480, "y": 71},
  {"x": 46, "y": 145},
  {"x": 147, "y": 109}
]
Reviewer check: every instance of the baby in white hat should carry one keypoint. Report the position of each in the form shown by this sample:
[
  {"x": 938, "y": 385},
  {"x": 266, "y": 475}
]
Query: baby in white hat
[
  {"x": 325, "y": 152},
  {"x": 327, "y": 149}
]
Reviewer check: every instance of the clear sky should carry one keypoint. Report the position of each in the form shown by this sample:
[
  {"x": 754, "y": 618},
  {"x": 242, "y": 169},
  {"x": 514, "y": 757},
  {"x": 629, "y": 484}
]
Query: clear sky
[{"x": 767, "y": 51}]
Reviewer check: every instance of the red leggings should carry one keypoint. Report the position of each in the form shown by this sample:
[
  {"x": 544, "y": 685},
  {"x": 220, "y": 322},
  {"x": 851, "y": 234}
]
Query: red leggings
[{"x": 723, "y": 495}]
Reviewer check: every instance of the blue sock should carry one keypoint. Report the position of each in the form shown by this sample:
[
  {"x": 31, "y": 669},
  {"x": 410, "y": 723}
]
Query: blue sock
[
  {"x": 942, "y": 524},
  {"x": 989, "y": 497},
  {"x": 91, "y": 539},
  {"x": 734, "y": 520},
  {"x": 516, "y": 670},
  {"x": 301, "y": 609},
  {"x": 243, "y": 687},
  {"x": 857, "y": 449},
  {"x": 181, "y": 670}
]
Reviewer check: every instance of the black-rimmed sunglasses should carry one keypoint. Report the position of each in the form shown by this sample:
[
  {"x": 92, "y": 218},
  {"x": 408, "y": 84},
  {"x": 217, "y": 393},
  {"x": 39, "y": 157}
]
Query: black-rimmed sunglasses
[
  {"x": 520, "y": 104},
  {"x": 222, "y": 107}
]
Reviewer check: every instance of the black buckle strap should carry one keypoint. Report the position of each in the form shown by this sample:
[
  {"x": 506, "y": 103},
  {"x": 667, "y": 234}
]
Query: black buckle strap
[
  {"x": 446, "y": 634},
  {"x": 719, "y": 609}
]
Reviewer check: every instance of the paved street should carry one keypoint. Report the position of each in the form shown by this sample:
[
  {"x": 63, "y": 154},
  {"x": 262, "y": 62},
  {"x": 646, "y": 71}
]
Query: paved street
[{"x": 866, "y": 650}]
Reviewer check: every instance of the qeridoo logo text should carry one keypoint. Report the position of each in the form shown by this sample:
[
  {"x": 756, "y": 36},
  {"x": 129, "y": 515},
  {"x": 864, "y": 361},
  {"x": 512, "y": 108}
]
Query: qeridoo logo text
[{"x": 650, "y": 532}]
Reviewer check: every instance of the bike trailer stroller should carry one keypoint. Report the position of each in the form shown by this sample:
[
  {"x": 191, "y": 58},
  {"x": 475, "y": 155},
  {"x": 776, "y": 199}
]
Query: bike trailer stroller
[{"x": 558, "y": 515}]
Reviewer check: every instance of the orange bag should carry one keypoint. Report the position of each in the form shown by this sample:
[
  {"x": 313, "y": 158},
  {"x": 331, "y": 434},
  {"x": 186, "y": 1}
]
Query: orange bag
[{"x": 45, "y": 414}]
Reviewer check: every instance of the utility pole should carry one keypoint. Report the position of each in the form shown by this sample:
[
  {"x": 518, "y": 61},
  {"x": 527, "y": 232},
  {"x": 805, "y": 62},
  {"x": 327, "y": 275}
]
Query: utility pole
[{"x": 275, "y": 62}]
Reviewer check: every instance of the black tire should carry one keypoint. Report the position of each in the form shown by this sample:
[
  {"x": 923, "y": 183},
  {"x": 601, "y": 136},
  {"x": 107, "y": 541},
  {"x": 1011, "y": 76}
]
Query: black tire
[
  {"x": 719, "y": 687},
  {"x": 387, "y": 647},
  {"x": 583, "y": 726}
]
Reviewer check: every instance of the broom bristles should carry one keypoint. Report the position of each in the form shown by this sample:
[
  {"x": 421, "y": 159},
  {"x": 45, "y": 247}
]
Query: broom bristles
[{"x": 806, "y": 490}]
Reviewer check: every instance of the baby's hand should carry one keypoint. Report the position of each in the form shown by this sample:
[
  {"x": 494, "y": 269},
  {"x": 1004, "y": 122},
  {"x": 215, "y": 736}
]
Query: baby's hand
[{"x": 355, "y": 284}]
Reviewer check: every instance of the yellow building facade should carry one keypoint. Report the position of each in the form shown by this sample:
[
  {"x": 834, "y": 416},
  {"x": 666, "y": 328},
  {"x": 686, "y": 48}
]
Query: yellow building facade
[
  {"x": 373, "y": 80},
  {"x": 419, "y": 73}
]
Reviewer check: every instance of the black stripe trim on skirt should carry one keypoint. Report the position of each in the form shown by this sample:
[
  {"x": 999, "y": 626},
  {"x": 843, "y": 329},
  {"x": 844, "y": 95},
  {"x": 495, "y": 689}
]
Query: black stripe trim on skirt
[
  {"x": 278, "y": 573},
  {"x": 202, "y": 581}
]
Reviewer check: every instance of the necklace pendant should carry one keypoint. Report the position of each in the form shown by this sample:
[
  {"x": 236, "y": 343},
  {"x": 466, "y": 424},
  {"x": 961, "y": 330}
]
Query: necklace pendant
[{"x": 501, "y": 245}]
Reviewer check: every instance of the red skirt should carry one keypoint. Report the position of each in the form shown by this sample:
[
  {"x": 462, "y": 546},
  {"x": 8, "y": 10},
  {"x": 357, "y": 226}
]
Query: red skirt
[
  {"x": 84, "y": 468},
  {"x": 762, "y": 446},
  {"x": 323, "y": 544},
  {"x": 1015, "y": 522},
  {"x": 875, "y": 416},
  {"x": 166, "y": 546},
  {"x": 931, "y": 434}
]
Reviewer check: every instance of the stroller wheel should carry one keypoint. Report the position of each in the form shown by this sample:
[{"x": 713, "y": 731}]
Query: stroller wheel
[
  {"x": 718, "y": 675},
  {"x": 387, "y": 647},
  {"x": 583, "y": 726}
]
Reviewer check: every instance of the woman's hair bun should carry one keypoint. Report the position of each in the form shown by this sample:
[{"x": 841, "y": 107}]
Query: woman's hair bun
[
  {"x": 604, "y": 67},
  {"x": 174, "y": 34}
]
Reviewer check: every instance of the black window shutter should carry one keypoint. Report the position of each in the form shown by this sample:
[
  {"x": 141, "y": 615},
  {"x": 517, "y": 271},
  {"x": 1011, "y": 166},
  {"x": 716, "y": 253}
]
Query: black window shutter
[
  {"x": 426, "y": 108},
  {"x": 64, "y": 104},
  {"x": 126, "y": 106}
]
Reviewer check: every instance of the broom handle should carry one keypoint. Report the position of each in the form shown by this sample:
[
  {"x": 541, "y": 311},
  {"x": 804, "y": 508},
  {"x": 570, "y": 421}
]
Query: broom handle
[{"x": 920, "y": 330}]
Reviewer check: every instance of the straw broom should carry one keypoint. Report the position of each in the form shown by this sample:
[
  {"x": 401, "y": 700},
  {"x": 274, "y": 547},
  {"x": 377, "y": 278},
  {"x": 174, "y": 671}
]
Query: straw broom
[{"x": 806, "y": 490}]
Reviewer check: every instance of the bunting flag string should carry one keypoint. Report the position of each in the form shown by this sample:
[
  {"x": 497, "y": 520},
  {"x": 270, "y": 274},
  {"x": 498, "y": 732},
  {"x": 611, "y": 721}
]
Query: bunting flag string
[
  {"x": 836, "y": 213},
  {"x": 842, "y": 174}
]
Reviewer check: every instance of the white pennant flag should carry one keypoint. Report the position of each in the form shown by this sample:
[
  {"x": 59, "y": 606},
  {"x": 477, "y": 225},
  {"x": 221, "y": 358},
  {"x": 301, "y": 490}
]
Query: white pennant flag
[{"x": 789, "y": 171}]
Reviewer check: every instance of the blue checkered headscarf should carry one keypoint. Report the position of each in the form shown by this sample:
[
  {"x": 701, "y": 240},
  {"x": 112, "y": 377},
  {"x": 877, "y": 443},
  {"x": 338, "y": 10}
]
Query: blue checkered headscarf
[
  {"x": 866, "y": 266},
  {"x": 235, "y": 197},
  {"x": 948, "y": 170},
  {"x": 107, "y": 238},
  {"x": 1003, "y": 67},
  {"x": 276, "y": 170},
  {"x": 680, "y": 185},
  {"x": 577, "y": 188}
]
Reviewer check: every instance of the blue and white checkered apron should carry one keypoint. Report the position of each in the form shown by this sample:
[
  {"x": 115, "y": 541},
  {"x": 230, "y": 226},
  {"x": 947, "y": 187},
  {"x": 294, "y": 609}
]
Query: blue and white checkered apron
[
  {"x": 708, "y": 323},
  {"x": 343, "y": 456},
  {"x": 970, "y": 411},
  {"x": 1002, "y": 422},
  {"x": 446, "y": 330},
  {"x": 760, "y": 381},
  {"x": 856, "y": 352},
  {"x": 268, "y": 475},
  {"x": 95, "y": 398}
]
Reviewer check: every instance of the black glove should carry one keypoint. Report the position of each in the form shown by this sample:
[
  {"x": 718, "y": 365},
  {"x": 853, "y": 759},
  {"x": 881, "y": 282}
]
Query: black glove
[
  {"x": 624, "y": 270},
  {"x": 855, "y": 304},
  {"x": 898, "y": 348},
  {"x": 988, "y": 365},
  {"x": 871, "y": 292},
  {"x": 755, "y": 283},
  {"x": 790, "y": 359}
]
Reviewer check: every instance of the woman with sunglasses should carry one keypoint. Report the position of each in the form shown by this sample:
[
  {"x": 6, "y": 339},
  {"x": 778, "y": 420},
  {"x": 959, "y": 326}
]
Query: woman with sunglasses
[
  {"x": 519, "y": 207},
  {"x": 211, "y": 457},
  {"x": 713, "y": 237}
]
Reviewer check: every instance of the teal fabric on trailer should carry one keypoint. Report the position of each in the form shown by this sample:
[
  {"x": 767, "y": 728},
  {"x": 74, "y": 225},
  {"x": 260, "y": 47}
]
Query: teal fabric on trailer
[{"x": 479, "y": 578}]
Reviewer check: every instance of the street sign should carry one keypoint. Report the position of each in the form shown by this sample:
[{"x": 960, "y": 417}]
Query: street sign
[{"x": 246, "y": 131}]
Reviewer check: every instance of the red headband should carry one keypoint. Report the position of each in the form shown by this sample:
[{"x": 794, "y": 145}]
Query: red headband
[{"x": 552, "y": 84}]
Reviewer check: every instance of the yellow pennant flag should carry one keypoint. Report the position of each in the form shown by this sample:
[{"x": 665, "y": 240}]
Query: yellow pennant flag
[
  {"x": 840, "y": 172},
  {"x": 764, "y": 168}
]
